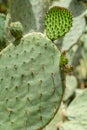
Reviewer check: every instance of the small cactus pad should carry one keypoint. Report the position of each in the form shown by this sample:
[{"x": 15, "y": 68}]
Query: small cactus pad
[
  {"x": 58, "y": 21},
  {"x": 16, "y": 29},
  {"x": 30, "y": 83}
]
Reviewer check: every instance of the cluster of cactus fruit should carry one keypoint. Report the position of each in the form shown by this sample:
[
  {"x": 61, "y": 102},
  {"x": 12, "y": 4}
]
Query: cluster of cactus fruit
[{"x": 31, "y": 87}]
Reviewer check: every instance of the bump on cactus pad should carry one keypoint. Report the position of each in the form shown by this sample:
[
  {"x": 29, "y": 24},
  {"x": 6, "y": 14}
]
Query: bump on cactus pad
[
  {"x": 16, "y": 29},
  {"x": 58, "y": 21},
  {"x": 30, "y": 83}
]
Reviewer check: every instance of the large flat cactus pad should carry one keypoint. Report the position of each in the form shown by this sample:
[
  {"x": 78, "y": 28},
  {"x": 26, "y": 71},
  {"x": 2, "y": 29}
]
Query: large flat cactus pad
[{"x": 30, "y": 83}]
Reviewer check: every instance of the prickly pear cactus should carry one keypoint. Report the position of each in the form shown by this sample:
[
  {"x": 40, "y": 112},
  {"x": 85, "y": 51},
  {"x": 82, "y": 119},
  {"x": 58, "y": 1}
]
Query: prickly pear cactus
[
  {"x": 58, "y": 21},
  {"x": 31, "y": 13},
  {"x": 24, "y": 14},
  {"x": 16, "y": 29},
  {"x": 78, "y": 25},
  {"x": 30, "y": 83},
  {"x": 2, "y": 31}
]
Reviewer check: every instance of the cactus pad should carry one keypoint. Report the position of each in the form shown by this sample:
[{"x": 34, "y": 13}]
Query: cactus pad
[
  {"x": 2, "y": 31},
  {"x": 30, "y": 83},
  {"x": 16, "y": 29},
  {"x": 21, "y": 10},
  {"x": 58, "y": 21}
]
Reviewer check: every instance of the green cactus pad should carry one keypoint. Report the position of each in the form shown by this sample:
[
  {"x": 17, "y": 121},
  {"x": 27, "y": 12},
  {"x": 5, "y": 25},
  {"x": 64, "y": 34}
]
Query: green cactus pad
[
  {"x": 58, "y": 21},
  {"x": 30, "y": 83},
  {"x": 21, "y": 10},
  {"x": 16, "y": 29},
  {"x": 2, "y": 31}
]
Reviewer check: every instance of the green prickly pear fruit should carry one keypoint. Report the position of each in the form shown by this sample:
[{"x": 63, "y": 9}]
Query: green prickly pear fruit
[
  {"x": 58, "y": 21},
  {"x": 16, "y": 30}
]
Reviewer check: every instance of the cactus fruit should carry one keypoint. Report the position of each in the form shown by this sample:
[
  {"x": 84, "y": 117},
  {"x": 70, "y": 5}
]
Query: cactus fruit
[
  {"x": 16, "y": 30},
  {"x": 30, "y": 83},
  {"x": 58, "y": 21}
]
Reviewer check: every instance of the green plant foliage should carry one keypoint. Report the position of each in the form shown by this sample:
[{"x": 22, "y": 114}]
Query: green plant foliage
[
  {"x": 58, "y": 21},
  {"x": 30, "y": 84}
]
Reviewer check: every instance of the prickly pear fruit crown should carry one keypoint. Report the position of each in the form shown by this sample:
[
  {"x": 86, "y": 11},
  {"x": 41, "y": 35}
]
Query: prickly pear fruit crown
[
  {"x": 16, "y": 30},
  {"x": 58, "y": 21},
  {"x": 30, "y": 83}
]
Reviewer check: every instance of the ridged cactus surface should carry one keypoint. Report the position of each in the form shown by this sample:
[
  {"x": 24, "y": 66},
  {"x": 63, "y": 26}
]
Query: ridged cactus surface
[
  {"x": 58, "y": 21},
  {"x": 30, "y": 83}
]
